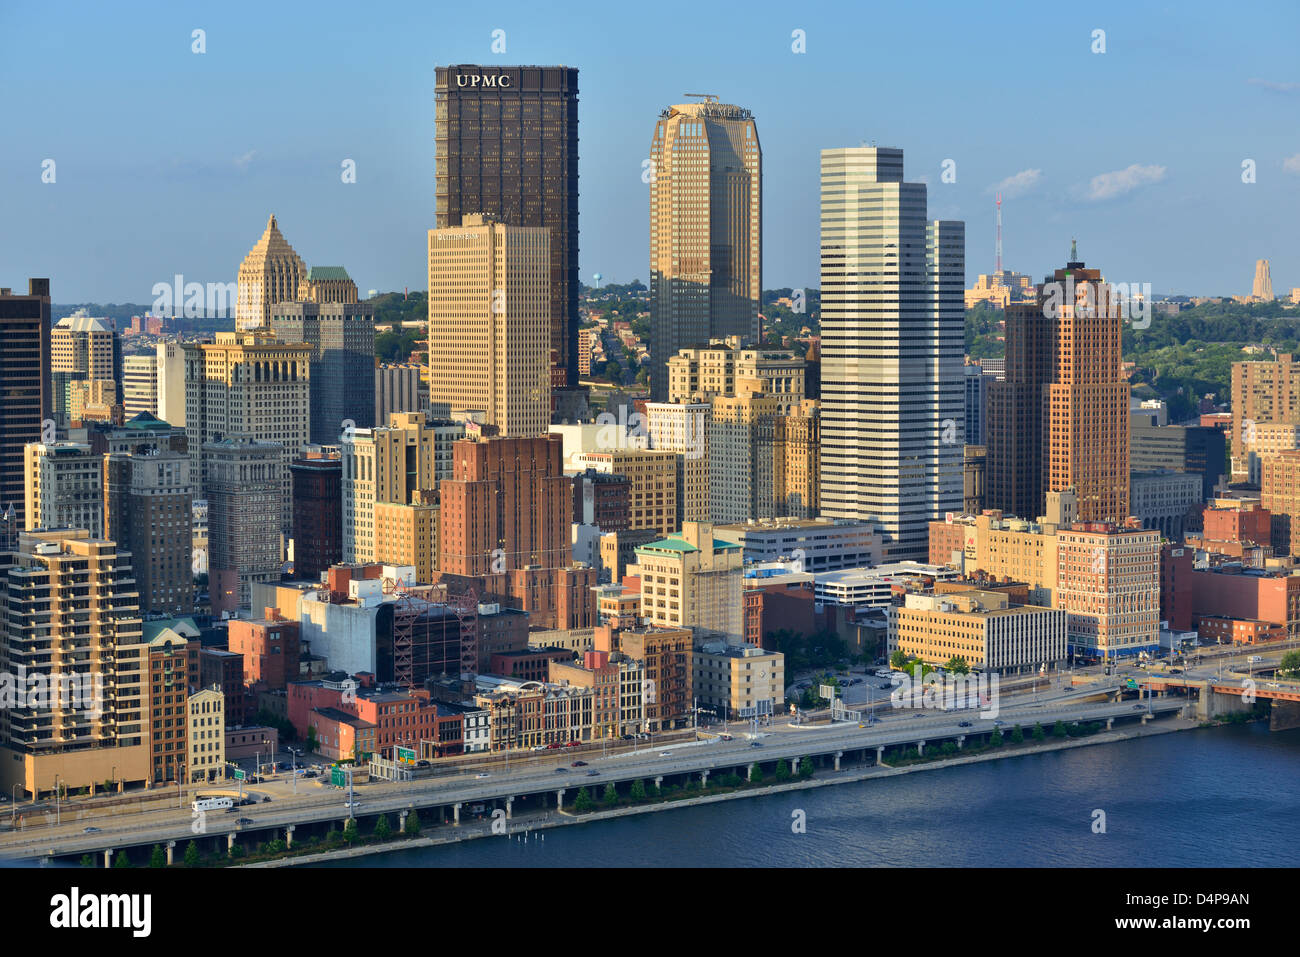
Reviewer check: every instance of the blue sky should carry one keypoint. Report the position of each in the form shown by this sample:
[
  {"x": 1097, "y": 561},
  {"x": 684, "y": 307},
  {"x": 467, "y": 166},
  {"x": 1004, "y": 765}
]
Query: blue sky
[{"x": 167, "y": 161}]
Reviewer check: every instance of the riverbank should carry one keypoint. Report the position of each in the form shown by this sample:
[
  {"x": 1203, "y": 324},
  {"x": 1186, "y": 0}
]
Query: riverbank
[{"x": 533, "y": 824}]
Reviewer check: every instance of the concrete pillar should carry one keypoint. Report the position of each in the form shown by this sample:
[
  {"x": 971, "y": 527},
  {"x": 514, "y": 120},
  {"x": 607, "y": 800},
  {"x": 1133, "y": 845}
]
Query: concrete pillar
[
  {"x": 659, "y": 780},
  {"x": 230, "y": 840},
  {"x": 559, "y": 799},
  {"x": 510, "y": 808},
  {"x": 1145, "y": 717},
  {"x": 794, "y": 767},
  {"x": 108, "y": 857},
  {"x": 288, "y": 835},
  {"x": 961, "y": 739},
  {"x": 455, "y": 813},
  {"x": 401, "y": 821},
  {"x": 171, "y": 847},
  {"x": 1110, "y": 723},
  {"x": 920, "y": 748},
  {"x": 838, "y": 755},
  {"x": 704, "y": 778},
  {"x": 880, "y": 754}
]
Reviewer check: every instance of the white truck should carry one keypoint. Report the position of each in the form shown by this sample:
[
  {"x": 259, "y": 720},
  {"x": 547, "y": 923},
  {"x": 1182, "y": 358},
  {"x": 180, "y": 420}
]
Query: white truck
[{"x": 213, "y": 804}]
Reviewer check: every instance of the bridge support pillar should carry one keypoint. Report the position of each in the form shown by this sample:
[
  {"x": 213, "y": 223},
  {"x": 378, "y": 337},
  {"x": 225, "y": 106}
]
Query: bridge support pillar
[
  {"x": 559, "y": 799},
  {"x": 961, "y": 739},
  {"x": 1110, "y": 724},
  {"x": 510, "y": 808},
  {"x": 401, "y": 821},
  {"x": 704, "y": 778},
  {"x": 230, "y": 841},
  {"x": 880, "y": 754},
  {"x": 171, "y": 849},
  {"x": 920, "y": 748},
  {"x": 659, "y": 780},
  {"x": 1145, "y": 718},
  {"x": 838, "y": 755},
  {"x": 455, "y": 813},
  {"x": 794, "y": 767},
  {"x": 288, "y": 835},
  {"x": 108, "y": 857}
]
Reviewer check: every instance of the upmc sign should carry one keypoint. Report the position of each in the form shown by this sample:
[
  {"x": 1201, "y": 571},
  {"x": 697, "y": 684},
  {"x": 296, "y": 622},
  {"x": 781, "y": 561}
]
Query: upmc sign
[{"x": 478, "y": 79}]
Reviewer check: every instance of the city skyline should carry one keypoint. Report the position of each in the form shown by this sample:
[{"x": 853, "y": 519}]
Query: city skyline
[{"x": 1117, "y": 196}]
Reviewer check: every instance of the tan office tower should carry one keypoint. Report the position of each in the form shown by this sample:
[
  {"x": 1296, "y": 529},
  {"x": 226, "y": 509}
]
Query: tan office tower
[
  {"x": 248, "y": 383},
  {"x": 699, "y": 373},
  {"x": 68, "y": 611},
  {"x": 683, "y": 427},
  {"x": 139, "y": 385},
  {"x": 742, "y": 431},
  {"x": 271, "y": 273},
  {"x": 386, "y": 465},
  {"x": 706, "y": 230},
  {"x": 64, "y": 487},
  {"x": 490, "y": 322},
  {"x": 86, "y": 345},
  {"x": 796, "y": 465},
  {"x": 327, "y": 284},
  {"x": 1263, "y": 288},
  {"x": 1262, "y": 393}
]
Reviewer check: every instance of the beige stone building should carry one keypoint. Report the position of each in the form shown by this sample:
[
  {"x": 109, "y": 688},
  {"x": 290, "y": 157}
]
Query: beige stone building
[
  {"x": 206, "y": 738},
  {"x": 741, "y": 441},
  {"x": 325, "y": 284},
  {"x": 683, "y": 427},
  {"x": 86, "y": 345},
  {"x": 65, "y": 487},
  {"x": 1109, "y": 581},
  {"x": 796, "y": 464},
  {"x": 490, "y": 322},
  {"x": 271, "y": 273},
  {"x": 407, "y": 534},
  {"x": 692, "y": 580},
  {"x": 744, "y": 680},
  {"x": 653, "y": 477},
  {"x": 699, "y": 373},
  {"x": 979, "y": 626}
]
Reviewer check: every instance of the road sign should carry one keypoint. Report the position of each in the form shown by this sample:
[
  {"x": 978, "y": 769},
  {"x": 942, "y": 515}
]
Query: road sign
[
  {"x": 338, "y": 778},
  {"x": 239, "y": 774},
  {"x": 405, "y": 754},
  {"x": 826, "y": 691},
  {"x": 1132, "y": 682}
]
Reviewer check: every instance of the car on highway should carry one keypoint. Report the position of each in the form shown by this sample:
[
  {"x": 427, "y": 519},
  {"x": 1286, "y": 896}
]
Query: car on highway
[
  {"x": 1175, "y": 671},
  {"x": 592, "y": 773},
  {"x": 481, "y": 774},
  {"x": 885, "y": 685},
  {"x": 665, "y": 754},
  {"x": 963, "y": 724},
  {"x": 90, "y": 830},
  {"x": 574, "y": 744},
  {"x": 756, "y": 744},
  {"x": 540, "y": 747},
  {"x": 579, "y": 764},
  {"x": 1138, "y": 707},
  {"x": 561, "y": 770},
  {"x": 266, "y": 799},
  {"x": 725, "y": 737},
  {"x": 244, "y": 821},
  {"x": 310, "y": 774}
]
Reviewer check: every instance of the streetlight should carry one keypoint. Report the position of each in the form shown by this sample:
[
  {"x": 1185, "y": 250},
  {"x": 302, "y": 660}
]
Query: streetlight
[
  {"x": 58, "y": 811},
  {"x": 13, "y": 809}
]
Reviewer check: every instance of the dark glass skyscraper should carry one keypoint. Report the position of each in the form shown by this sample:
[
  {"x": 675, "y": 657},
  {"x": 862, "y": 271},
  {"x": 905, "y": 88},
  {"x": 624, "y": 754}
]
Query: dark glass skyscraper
[
  {"x": 507, "y": 146},
  {"x": 24, "y": 392}
]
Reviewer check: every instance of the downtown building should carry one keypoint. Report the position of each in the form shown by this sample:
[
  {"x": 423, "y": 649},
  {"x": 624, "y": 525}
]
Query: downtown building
[
  {"x": 892, "y": 335},
  {"x": 271, "y": 273},
  {"x": 507, "y": 148},
  {"x": 706, "y": 228},
  {"x": 317, "y": 479},
  {"x": 489, "y": 319},
  {"x": 65, "y": 487},
  {"x": 245, "y": 490},
  {"x": 28, "y": 401}
]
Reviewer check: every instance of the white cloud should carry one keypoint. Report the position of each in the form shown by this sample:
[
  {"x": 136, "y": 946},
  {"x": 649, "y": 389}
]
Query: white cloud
[
  {"x": 242, "y": 162},
  {"x": 1292, "y": 164},
  {"x": 1280, "y": 87},
  {"x": 1121, "y": 181},
  {"x": 1018, "y": 184}
]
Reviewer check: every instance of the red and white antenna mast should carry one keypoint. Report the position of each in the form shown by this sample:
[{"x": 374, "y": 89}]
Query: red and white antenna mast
[{"x": 999, "y": 265}]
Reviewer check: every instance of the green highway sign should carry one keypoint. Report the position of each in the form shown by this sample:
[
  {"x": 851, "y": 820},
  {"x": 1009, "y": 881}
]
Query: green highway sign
[
  {"x": 405, "y": 754},
  {"x": 338, "y": 778},
  {"x": 239, "y": 774},
  {"x": 1132, "y": 682}
]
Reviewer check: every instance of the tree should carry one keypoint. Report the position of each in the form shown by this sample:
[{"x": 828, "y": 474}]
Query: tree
[
  {"x": 637, "y": 792},
  {"x": 957, "y": 665},
  {"x": 87, "y": 860},
  {"x": 582, "y": 803},
  {"x": 1289, "y": 665},
  {"x": 1039, "y": 733},
  {"x": 782, "y": 771},
  {"x": 350, "y": 830},
  {"x": 806, "y": 767},
  {"x": 157, "y": 857},
  {"x": 191, "y": 854},
  {"x": 122, "y": 860},
  {"x": 995, "y": 739},
  {"x": 1017, "y": 735},
  {"x": 610, "y": 796},
  {"x": 412, "y": 826},
  {"x": 1058, "y": 729},
  {"x": 312, "y": 742},
  {"x": 899, "y": 660},
  {"x": 755, "y": 772},
  {"x": 382, "y": 830}
]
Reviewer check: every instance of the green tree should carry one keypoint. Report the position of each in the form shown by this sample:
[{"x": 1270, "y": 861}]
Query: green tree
[
  {"x": 1039, "y": 734},
  {"x": 899, "y": 660},
  {"x": 582, "y": 803},
  {"x": 806, "y": 767},
  {"x": 412, "y": 826},
  {"x": 350, "y": 830},
  {"x": 995, "y": 739},
  {"x": 122, "y": 859},
  {"x": 275, "y": 846},
  {"x": 610, "y": 796},
  {"x": 87, "y": 860},
  {"x": 756, "y": 773},
  {"x": 957, "y": 665},
  {"x": 637, "y": 792},
  {"x": 1017, "y": 735},
  {"x": 1289, "y": 666},
  {"x": 782, "y": 771},
  {"x": 1058, "y": 730},
  {"x": 382, "y": 830},
  {"x": 191, "y": 854},
  {"x": 157, "y": 857}
]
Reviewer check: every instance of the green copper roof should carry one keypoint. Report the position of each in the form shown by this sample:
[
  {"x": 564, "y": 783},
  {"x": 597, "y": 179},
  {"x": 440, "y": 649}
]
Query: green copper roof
[
  {"x": 145, "y": 420},
  {"x": 677, "y": 544},
  {"x": 327, "y": 272}
]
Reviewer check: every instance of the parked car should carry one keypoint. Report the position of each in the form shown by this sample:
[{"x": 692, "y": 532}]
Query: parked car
[
  {"x": 665, "y": 754},
  {"x": 90, "y": 830},
  {"x": 963, "y": 724},
  {"x": 244, "y": 821},
  {"x": 266, "y": 799},
  {"x": 885, "y": 685},
  {"x": 574, "y": 744},
  {"x": 579, "y": 764},
  {"x": 1139, "y": 707}
]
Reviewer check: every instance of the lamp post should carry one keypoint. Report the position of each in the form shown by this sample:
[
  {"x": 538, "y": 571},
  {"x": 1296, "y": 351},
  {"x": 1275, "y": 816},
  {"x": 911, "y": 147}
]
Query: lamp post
[
  {"x": 112, "y": 775},
  {"x": 13, "y": 808},
  {"x": 58, "y": 809}
]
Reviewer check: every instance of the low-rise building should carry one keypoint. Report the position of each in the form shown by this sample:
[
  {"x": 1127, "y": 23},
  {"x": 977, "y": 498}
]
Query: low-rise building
[
  {"x": 981, "y": 627},
  {"x": 744, "y": 681}
]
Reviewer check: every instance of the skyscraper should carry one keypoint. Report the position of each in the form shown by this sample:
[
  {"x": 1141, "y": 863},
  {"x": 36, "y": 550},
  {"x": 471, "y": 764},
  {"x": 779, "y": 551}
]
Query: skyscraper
[
  {"x": 25, "y": 387},
  {"x": 1060, "y": 419},
  {"x": 507, "y": 144},
  {"x": 1263, "y": 288},
  {"x": 245, "y": 485},
  {"x": 65, "y": 487},
  {"x": 148, "y": 503},
  {"x": 706, "y": 230},
  {"x": 86, "y": 345},
  {"x": 489, "y": 316},
  {"x": 891, "y": 350},
  {"x": 342, "y": 337},
  {"x": 271, "y": 273}
]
